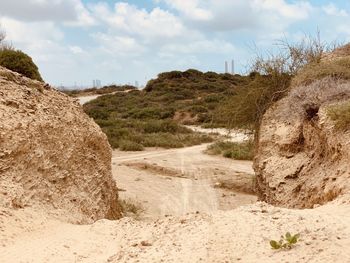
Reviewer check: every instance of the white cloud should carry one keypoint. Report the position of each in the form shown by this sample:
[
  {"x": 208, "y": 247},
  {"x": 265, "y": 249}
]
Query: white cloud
[
  {"x": 332, "y": 10},
  {"x": 200, "y": 46},
  {"x": 191, "y": 9},
  {"x": 296, "y": 11},
  {"x": 72, "y": 12},
  {"x": 119, "y": 45},
  {"x": 224, "y": 15},
  {"x": 128, "y": 19},
  {"x": 33, "y": 33},
  {"x": 177, "y": 33},
  {"x": 76, "y": 50}
]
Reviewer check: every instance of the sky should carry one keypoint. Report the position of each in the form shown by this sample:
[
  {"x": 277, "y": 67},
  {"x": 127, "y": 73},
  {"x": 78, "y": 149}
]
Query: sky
[{"x": 76, "y": 41}]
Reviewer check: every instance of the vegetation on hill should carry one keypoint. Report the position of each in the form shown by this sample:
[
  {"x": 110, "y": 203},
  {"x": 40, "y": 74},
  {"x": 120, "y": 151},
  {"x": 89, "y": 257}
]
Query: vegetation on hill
[
  {"x": 340, "y": 114},
  {"x": 221, "y": 100},
  {"x": 133, "y": 134},
  {"x": 98, "y": 91},
  {"x": 337, "y": 68},
  {"x": 20, "y": 62},
  {"x": 273, "y": 76},
  {"x": 152, "y": 117},
  {"x": 189, "y": 97}
]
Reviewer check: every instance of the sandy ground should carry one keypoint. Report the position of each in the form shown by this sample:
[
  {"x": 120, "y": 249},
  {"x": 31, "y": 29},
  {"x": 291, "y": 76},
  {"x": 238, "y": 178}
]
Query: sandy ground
[
  {"x": 209, "y": 235},
  {"x": 179, "y": 181},
  {"x": 229, "y": 135},
  {"x": 86, "y": 99},
  {"x": 240, "y": 235}
]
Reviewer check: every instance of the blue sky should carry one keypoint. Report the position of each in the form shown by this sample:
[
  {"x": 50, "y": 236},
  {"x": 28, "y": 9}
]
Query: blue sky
[{"x": 76, "y": 41}]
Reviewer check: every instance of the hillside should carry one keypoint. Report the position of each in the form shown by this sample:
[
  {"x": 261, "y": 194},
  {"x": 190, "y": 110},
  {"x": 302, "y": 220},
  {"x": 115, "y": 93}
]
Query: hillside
[{"x": 189, "y": 97}]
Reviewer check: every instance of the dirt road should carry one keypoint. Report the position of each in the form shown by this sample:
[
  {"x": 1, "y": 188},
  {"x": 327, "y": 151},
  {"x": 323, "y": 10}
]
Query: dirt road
[
  {"x": 178, "y": 181},
  {"x": 86, "y": 99}
]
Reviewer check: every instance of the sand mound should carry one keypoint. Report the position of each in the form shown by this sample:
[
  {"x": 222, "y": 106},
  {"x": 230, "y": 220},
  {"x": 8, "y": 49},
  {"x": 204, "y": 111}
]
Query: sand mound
[
  {"x": 302, "y": 159},
  {"x": 52, "y": 155}
]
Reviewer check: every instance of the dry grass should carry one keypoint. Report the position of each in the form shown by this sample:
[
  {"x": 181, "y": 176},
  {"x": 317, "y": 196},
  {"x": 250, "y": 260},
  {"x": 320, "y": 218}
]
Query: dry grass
[
  {"x": 338, "y": 68},
  {"x": 313, "y": 96},
  {"x": 131, "y": 208},
  {"x": 340, "y": 114}
]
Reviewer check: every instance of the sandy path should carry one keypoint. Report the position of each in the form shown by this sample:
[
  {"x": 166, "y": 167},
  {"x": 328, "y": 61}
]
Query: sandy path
[
  {"x": 164, "y": 193},
  {"x": 86, "y": 99},
  {"x": 240, "y": 235}
]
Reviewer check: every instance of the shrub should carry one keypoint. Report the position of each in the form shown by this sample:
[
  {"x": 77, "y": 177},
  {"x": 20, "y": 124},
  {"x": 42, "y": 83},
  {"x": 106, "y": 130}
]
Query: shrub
[
  {"x": 271, "y": 77},
  {"x": 340, "y": 114},
  {"x": 238, "y": 151},
  {"x": 126, "y": 145},
  {"x": 19, "y": 62},
  {"x": 155, "y": 126}
]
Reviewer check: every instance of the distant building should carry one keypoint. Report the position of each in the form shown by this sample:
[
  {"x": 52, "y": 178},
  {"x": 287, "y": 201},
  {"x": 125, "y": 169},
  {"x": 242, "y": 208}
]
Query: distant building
[
  {"x": 96, "y": 83},
  {"x": 232, "y": 67}
]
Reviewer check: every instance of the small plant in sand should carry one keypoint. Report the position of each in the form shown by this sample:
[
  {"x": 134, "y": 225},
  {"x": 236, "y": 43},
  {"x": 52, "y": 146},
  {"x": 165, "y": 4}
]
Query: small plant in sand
[
  {"x": 131, "y": 208},
  {"x": 286, "y": 242}
]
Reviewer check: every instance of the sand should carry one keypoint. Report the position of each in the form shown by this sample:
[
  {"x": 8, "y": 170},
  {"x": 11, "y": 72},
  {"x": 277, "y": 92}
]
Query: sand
[{"x": 213, "y": 234}]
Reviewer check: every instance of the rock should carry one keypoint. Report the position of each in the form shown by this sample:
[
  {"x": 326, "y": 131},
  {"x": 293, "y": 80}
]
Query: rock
[
  {"x": 52, "y": 154},
  {"x": 146, "y": 244}
]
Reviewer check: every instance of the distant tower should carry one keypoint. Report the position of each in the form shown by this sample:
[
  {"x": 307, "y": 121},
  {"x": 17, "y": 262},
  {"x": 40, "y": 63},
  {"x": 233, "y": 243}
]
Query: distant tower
[
  {"x": 226, "y": 67},
  {"x": 94, "y": 83},
  {"x": 232, "y": 67}
]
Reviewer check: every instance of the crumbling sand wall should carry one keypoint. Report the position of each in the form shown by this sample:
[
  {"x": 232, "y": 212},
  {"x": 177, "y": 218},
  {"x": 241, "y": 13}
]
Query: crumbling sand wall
[{"x": 52, "y": 154}]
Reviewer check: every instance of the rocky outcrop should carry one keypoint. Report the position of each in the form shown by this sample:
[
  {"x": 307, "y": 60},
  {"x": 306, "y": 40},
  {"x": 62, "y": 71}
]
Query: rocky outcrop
[
  {"x": 302, "y": 160},
  {"x": 52, "y": 154}
]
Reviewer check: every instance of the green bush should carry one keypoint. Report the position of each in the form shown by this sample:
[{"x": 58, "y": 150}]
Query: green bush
[
  {"x": 126, "y": 145},
  {"x": 155, "y": 126},
  {"x": 233, "y": 150},
  {"x": 19, "y": 62}
]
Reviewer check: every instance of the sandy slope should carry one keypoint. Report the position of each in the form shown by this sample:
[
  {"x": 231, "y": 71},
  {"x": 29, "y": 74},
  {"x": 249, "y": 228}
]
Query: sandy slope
[{"x": 240, "y": 235}]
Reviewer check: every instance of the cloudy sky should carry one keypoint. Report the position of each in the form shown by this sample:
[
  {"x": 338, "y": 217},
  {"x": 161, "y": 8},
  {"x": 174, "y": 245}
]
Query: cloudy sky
[{"x": 76, "y": 41}]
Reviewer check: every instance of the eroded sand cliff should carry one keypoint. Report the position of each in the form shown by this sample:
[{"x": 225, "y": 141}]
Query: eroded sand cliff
[{"x": 52, "y": 155}]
